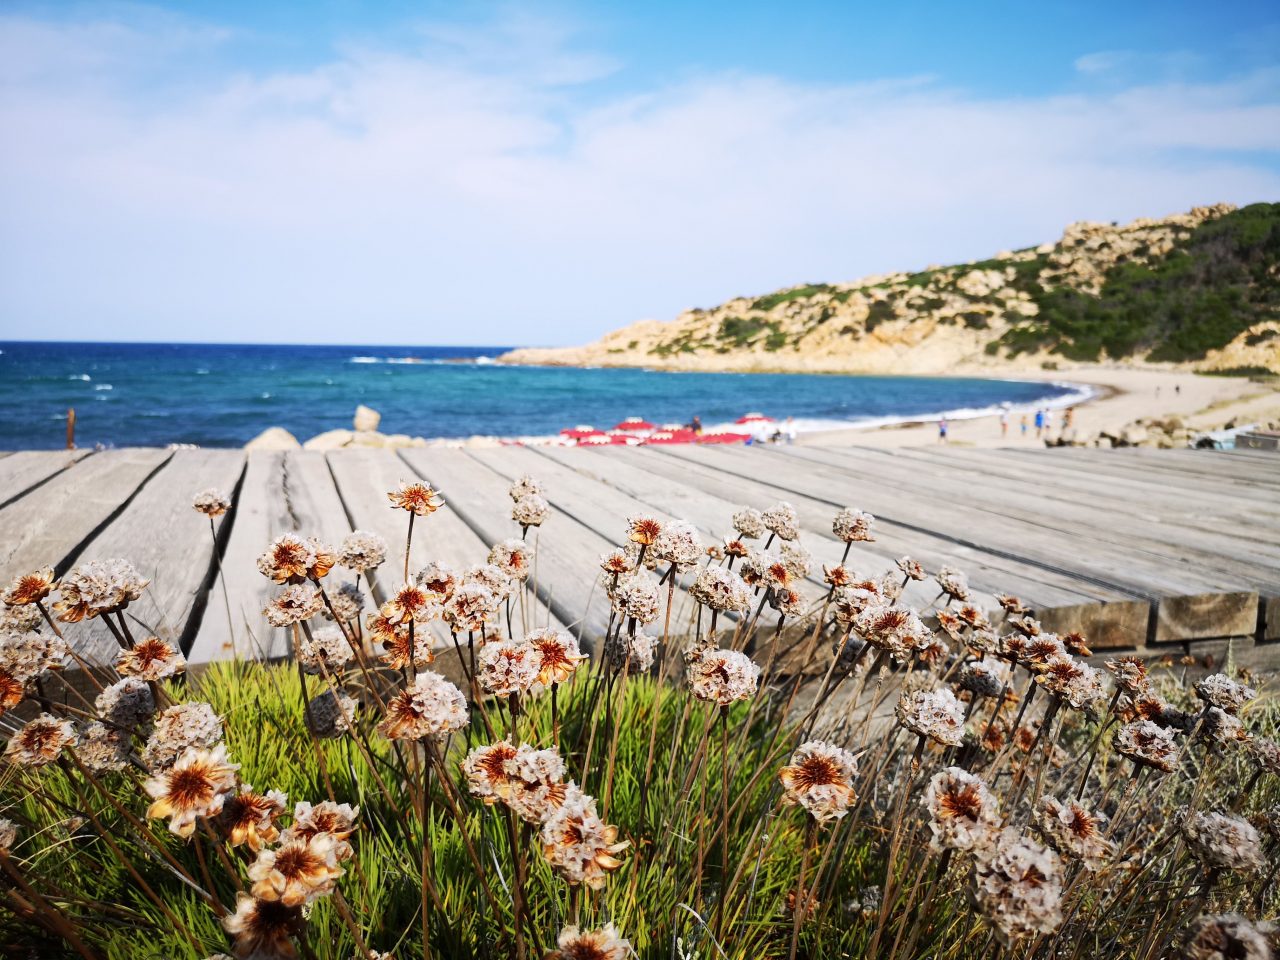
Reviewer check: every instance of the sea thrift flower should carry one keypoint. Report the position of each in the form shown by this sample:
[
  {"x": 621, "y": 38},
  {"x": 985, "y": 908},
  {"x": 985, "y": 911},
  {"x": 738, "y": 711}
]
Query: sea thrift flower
[
  {"x": 720, "y": 589},
  {"x": 439, "y": 578},
  {"x": 1147, "y": 744},
  {"x": 533, "y": 783},
  {"x": 616, "y": 563},
  {"x": 749, "y": 523},
  {"x": 895, "y": 630},
  {"x": 250, "y": 818},
  {"x": 530, "y": 511},
  {"x": 963, "y": 813},
  {"x": 326, "y": 650},
  {"x": 150, "y": 659},
  {"x": 797, "y": 560},
  {"x": 1265, "y": 752},
  {"x": 512, "y": 557},
  {"x": 1228, "y": 936},
  {"x": 212, "y": 503},
  {"x": 636, "y": 650},
  {"x": 293, "y": 605},
  {"x": 337, "y": 820},
  {"x": 1222, "y": 728},
  {"x": 953, "y": 583},
  {"x": 12, "y": 691},
  {"x": 985, "y": 678},
  {"x": 1223, "y": 842},
  {"x": 126, "y": 703},
  {"x": 262, "y": 928},
  {"x": 911, "y": 569},
  {"x": 96, "y": 588},
  {"x": 935, "y": 714},
  {"x": 820, "y": 779},
  {"x": 643, "y": 530},
  {"x": 298, "y": 872},
  {"x": 556, "y": 655},
  {"x": 781, "y": 521},
  {"x": 469, "y": 607},
  {"x": 1019, "y": 888},
  {"x": 30, "y": 588},
  {"x": 836, "y": 576},
  {"x": 196, "y": 786},
  {"x": 398, "y": 655},
  {"x": 490, "y": 576},
  {"x": 788, "y": 602},
  {"x": 973, "y": 617},
  {"x": 291, "y": 559},
  {"x": 362, "y": 551},
  {"x": 1075, "y": 832},
  {"x": 418, "y": 498},
  {"x": 637, "y": 597},
  {"x": 1011, "y": 605},
  {"x": 103, "y": 749},
  {"x": 848, "y": 603},
  {"x": 330, "y": 714},
  {"x": 1076, "y": 643},
  {"x": 524, "y": 487},
  {"x": 39, "y": 741},
  {"x": 754, "y": 568},
  {"x": 1130, "y": 674},
  {"x": 722, "y": 676},
  {"x": 347, "y": 603},
  {"x": 485, "y": 771},
  {"x": 852, "y": 525},
  {"x": 603, "y": 944},
  {"x": 579, "y": 845},
  {"x": 430, "y": 707},
  {"x": 506, "y": 668},
  {"x": 678, "y": 544},
  {"x": 20, "y": 619},
  {"x": 1219, "y": 690},
  {"x": 8, "y": 836},
  {"x": 1073, "y": 680},
  {"x": 178, "y": 729}
]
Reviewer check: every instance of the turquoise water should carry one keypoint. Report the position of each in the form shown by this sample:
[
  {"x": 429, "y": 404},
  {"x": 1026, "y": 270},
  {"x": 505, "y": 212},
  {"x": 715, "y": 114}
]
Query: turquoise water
[{"x": 223, "y": 395}]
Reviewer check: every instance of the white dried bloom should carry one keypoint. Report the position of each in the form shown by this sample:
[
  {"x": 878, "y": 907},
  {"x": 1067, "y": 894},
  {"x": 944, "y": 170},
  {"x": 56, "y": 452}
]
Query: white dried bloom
[
  {"x": 8, "y": 836},
  {"x": 985, "y": 678},
  {"x": 1222, "y": 728},
  {"x": 722, "y": 676},
  {"x": 579, "y": 845},
  {"x": 513, "y": 557},
  {"x": 534, "y": 785},
  {"x": 1265, "y": 752},
  {"x": 820, "y": 779},
  {"x": 797, "y": 560},
  {"x": 1219, "y": 690},
  {"x": 1130, "y": 674},
  {"x": 505, "y": 668},
  {"x": 720, "y": 589},
  {"x": 25, "y": 656},
  {"x": 963, "y": 813},
  {"x": 431, "y": 706},
  {"x": 490, "y": 576},
  {"x": 678, "y": 544},
  {"x": 637, "y": 597},
  {"x": 290, "y": 558},
  {"x": 530, "y": 510},
  {"x": 337, "y": 820},
  {"x": 103, "y": 749},
  {"x": 617, "y": 563},
  {"x": 788, "y": 602},
  {"x": 1148, "y": 744},
  {"x": 953, "y": 583},
  {"x": 96, "y": 588},
  {"x": 852, "y": 525},
  {"x": 195, "y": 787},
  {"x": 1073, "y": 680},
  {"x": 1223, "y": 842},
  {"x": 20, "y": 619},
  {"x": 330, "y": 714},
  {"x": 39, "y": 741},
  {"x": 1228, "y": 936},
  {"x": 438, "y": 578},
  {"x": 754, "y": 568},
  {"x": 781, "y": 520},
  {"x": 1075, "y": 832},
  {"x": 325, "y": 650},
  {"x": 297, "y": 872},
  {"x": 1019, "y": 888},
  {"x": 347, "y": 602},
  {"x": 150, "y": 659},
  {"x": 526, "y": 486},
  {"x": 635, "y": 650},
  {"x": 362, "y": 551},
  {"x": 212, "y": 503},
  {"x": 935, "y": 714},
  {"x": 126, "y": 703},
  {"x": 848, "y": 603},
  {"x": 556, "y": 655},
  {"x": 911, "y": 569},
  {"x": 179, "y": 728},
  {"x": 293, "y": 605},
  {"x": 485, "y": 770},
  {"x": 603, "y": 944},
  {"x": 749, "y": 523},
  {"x": 470, "y": 606},
  {"x": 896, "y": 630}
]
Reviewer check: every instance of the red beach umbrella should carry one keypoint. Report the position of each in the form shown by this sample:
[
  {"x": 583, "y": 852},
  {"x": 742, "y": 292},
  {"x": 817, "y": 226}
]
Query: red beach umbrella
[
  {"x": 580, "y": 431},
  {"x": 634, "y": 423},
  {"x": 754, "y": 417}
]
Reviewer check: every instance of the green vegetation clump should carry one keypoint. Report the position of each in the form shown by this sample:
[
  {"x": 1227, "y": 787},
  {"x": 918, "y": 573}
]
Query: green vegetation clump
[{"x": 767, "y": 303}]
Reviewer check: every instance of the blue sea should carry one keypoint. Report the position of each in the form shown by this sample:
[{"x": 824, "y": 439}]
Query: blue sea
[{"x": 222, "y": 395}]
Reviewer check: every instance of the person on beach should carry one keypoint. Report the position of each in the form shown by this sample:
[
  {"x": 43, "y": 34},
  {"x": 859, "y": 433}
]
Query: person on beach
[
  {"x": 696, "y": 425},
  {"x": 1069, "y": 418},
  {"x": 1023, "y": 426},
  {"x": 1039, "y": 423},
  {"x": 1004, "y": 424},
  {"x": 789, "y": 431},
  {"x": 942, "y": 430}
]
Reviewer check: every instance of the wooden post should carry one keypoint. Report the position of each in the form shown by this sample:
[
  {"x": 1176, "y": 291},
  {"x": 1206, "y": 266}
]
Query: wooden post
[{"x": 71, "y": 428}]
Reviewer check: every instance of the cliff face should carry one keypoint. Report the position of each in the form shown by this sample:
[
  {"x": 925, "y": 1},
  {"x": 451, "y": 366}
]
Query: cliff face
[{"x": 1200, "y": 289}]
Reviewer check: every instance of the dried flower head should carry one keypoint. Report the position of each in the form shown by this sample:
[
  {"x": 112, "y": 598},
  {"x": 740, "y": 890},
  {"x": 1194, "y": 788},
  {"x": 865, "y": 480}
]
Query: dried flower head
[
  {"x": 298, "y": 872},
  {"x": 1011, "y": 605},
  {"x": 25, "y": 656},
  {"x": 749, "y": 523},
  {"x": 293, "y": 605},
  {"x": 836, "y": 576},
  {"x": 330, "y": 714},
  {"x": 505, "y": 668},
  {"x": 911, "y": 569},
  {"x": 603, "y": 944},
  {"x": 96, "y": 588},
  {"x": 325, "y": 650},
  {"x": 337, "y": 820},
  {"x": 12, "y": 691},
  {"x": 1228, "y": 936},
  {"x": 362, "y": 551},
  {"x": 291, "y": 559},
  {"x": 634, "y": 650},
  {"x": 963, "y": 813},
  {"x": 722, "y": 676},
  {"x": 523, "y": 487},
  {"x": 416, "y": 497},
  {"x": 1219, "y": 690},
  {"x": 953, "y": 583},
  {"x": 178, "y": 729},
  {"x": 103, "y": 749},
  {"x": 788, "y": 602},
  {"x": 985, "y": 678},
  {"x": 1147, "y": 744},
  {"x": 39, "y": 741},
  {"x": 513, "y": 557},
  {"x": 212, "y": 503},
  {"x": 490, "y": 576},
  {"x": 30, "y": 588},
  {"x": 126, "y": 703},
  {"x": 797, "y": 560},
  {"x": 8, "y": 836},
  {"x": 1223, "y": 842},
  {"x": 852, "y": 526},
  {"x": 1073, "y": 680},
  {"x": 262, "y": 928},
  {"x": 431, "y": 706},
  {"x": 347, "y": 603},
  {"x": 896, "y": 630},
  {"x": 1130, "y": 674},
  {"x": 643, "y": 530},
  {"x": 935, "y": 714},
  {"x": 637, "y": 597},
  {"x": 1222, "y": 729},
  {"x": 1075, "y": 832},
  {"x": 820, "y": 779},
  {"x": 579, "y": 845},
  {"x": 150, "y": 659},
  {"x": 401, "y": 650},
  {"x": 557, "y": 655},
  {"x": 720, "y": 589},
  {"x": 531, "y": 782},
  {"x": 196, "y": 786},
  {"x": 250, "y": 818},
  {"x": 1265, "y": 752},
  {"x": 678, "y": 544},
  {"x": 470, "y": 606},
  {"x": 1076, "y": 643},
  {"x": 1018, "y": 888},
  {"x": 485, "y": 770},
  {"x": 20, "y": 619},
  {"x": 616, "y": 563},
  {"x": 782, "y": 521},
  {"x": 530, "y": 510}
]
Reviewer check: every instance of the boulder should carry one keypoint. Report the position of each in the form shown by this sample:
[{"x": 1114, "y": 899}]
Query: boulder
[
  {"x": 274, "y": 438},
  {"x": 367, "y": 419},
  {"x": 329, "y": 440},
  {"x": 1134, "y": 434}
]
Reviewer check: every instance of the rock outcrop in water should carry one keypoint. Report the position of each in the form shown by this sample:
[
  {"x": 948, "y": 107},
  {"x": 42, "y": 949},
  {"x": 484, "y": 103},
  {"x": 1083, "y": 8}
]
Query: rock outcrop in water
[{"x": 1199, "y": 289}]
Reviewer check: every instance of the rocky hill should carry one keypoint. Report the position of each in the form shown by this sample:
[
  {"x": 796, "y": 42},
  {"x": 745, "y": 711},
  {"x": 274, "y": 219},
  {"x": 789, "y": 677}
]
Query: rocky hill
[{"x": 1198, "y": 289}]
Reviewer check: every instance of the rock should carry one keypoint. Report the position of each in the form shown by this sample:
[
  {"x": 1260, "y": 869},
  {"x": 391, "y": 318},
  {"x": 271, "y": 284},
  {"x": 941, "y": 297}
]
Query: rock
[
  {"x": 1134, "y": 434},
  {"x": 274, "y": 438},
  {"x": 367, "y": 418},
  {"x": 329, "y": 440}
]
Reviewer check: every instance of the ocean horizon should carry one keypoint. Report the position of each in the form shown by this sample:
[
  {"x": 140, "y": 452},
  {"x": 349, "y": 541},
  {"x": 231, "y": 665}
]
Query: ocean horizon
[{"x": 222, "y": 395}]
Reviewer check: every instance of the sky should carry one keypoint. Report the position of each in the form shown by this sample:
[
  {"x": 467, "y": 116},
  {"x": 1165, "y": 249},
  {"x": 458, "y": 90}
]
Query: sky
[{"x": 443, "y": 173}]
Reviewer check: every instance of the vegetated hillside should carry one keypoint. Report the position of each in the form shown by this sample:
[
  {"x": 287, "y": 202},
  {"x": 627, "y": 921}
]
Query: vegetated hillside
[{"x": 1200, "y": 289}]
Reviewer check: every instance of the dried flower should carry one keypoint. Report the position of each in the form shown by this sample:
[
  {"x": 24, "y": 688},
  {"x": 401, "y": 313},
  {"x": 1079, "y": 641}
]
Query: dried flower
[
  {"x": 347, "y": 603},
  {"x": 1019, "y": 888},
  {"x": 1265, "y": 752},
  {"x": 20, "y": 619},
  {"x": 895, "y": 630},
  {"x": 853, "y": 526},
  {"x": 1130, "y": 674},
  {"x": 635, "y": 650},
  {"x": 250, "y": 818},
  {"x": 985, "y": 678},
  {"x": 505, "y": 668},
  {"x": 1223, "y": 842},
  {"x": 643, "y": 530},
  {"x": 513, "y": 558},
  {"x": 1075, "y": 832},
  {"x": 126, "y": 703},
  {"x": 820, "y": 779},
  {"x": 325, "y": 650},
  {"x": 1222, "y": 728},
  {"x": 212, "y": 503},
  {"x": 963, "y": 813},
  {"x": 720, "y": 589},
  {"x": 30, "y": 588},
  {"x": 616, "y": 563},
  {"x": 1077, "y": 643},
  {"x": 973, "y": 617},
  {"x": 96, "y": 588},
  {"x": 1228, "y": 936},
  {"x": 293, "y": 605},
  {"x": 401, "y": 651},
  {"x": 530, "y": 510},
  {"x": 26, "y": 656},
  {"x": 1219, "y": 690},
  {"x": 557, "y": 655},
  {"x": 579, "y": 845},
  {"x": 298, "y": 872},
  {"x": 797, "y": 560},
  {"x": 953, "y": 583},
  {"x": 178, "y": 729},
  {"x": 1011, "y": 605},
  {"x": 337, "y": 820},
  {"x": 637, "y": 597},
  {"x": 362, "y": 551},
  {"x": 262, "y": 928},
  {"x": 103, "y": 749},
  {"x": 1072, "y": 680},
  {"x": 911, "y": 569},
  {"x": 788, "y": 602},
  {"x": 196, "y": 786},
  {"x": 603, "y": 944},
  {"x": 12, "y": 691},
  {"x": 40, "y": 741},
  {"x": 418, "y": 498},
  {"x": 781, "y": 520},
  {"x": 722, "y": 676},
  {"x": 491, "y": 576},
  {"x": 8, "y": 836},
  {"x": 1147, "y": 744},
  {"x": 935, "y": 714},
  {"x": 525, "y": 486},
  {"x": 291, "y": 559},
  {"x": 150, "y": 659},
  {"x": 485, "y": 770},
  {"x": 678, "y": 544},
  {"x": 749, "y": 523},
  {"x": 330, "y": 714},
  {"x": 528, "y": 780},
  {"x": 430, "y": 706},
  {"x": 470, "y": 606}
]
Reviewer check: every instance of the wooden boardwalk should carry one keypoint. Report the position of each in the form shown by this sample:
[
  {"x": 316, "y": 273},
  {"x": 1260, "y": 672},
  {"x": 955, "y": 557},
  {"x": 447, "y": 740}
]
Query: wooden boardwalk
[{"x": 1142, "y": 549}]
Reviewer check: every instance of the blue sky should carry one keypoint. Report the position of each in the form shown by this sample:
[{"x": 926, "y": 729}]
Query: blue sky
[{"x": 444, "y": 173}]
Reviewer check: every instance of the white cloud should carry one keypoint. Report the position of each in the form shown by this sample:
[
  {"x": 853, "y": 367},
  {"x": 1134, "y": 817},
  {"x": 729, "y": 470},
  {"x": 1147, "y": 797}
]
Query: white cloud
[{"x": 485, "y": 186}]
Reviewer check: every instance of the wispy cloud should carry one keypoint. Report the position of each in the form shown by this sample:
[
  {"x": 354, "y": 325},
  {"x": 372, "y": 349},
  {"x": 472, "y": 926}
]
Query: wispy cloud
[{"x": 480, "y": 185}]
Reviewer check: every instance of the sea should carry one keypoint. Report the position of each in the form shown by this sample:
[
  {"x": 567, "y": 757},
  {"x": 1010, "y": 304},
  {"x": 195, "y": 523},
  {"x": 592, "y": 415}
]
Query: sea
[{"x": 222, "y": 395}]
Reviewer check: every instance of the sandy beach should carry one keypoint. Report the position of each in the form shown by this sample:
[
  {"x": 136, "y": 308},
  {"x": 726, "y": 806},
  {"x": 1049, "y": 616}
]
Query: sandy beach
[{"x": 1125, "y": 395}]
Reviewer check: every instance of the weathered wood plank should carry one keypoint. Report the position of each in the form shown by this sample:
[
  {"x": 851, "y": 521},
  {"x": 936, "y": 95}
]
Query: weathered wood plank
[
  {"x": 1109, "y": 626},
  {"x": 1206, "y": 616},
  {"x": 25, "y": 470}
]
